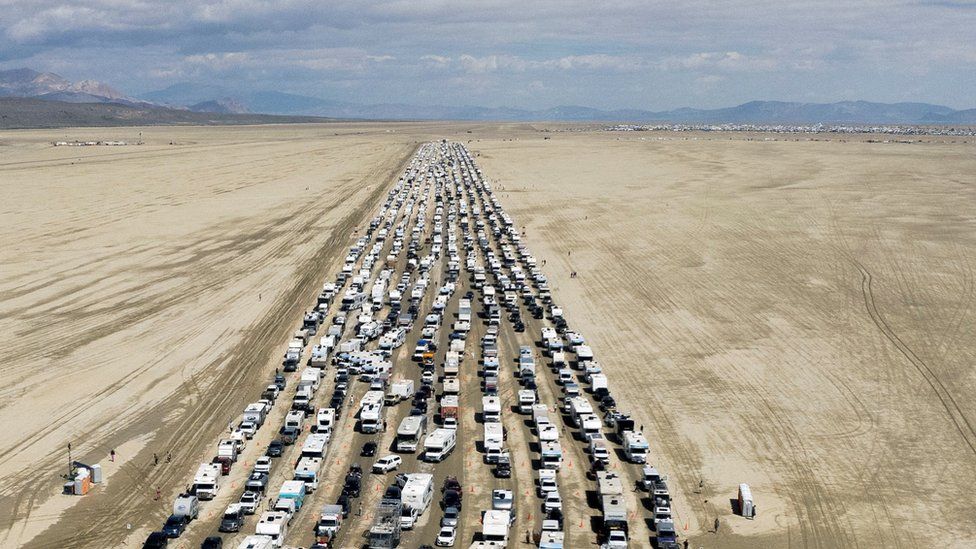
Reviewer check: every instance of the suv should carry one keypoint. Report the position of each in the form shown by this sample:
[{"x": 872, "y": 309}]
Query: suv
[
  {"x": 175, "y": 526},
  {"x": 156, "y": 540},
  {"x": 233, "y": 519},
  {"x": 275, "y": 449}
]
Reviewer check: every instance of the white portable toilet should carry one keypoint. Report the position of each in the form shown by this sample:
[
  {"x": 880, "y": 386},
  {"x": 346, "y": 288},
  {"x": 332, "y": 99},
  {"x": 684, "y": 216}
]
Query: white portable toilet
[
  {"x": 746, "y": 507},
  {"x": 96, "y": 471}
]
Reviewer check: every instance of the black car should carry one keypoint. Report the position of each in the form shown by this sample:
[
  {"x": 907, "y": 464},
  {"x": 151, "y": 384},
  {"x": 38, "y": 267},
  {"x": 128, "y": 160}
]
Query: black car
[
  {"x": 608, "y": 403},
  {"x": 451, "y": 498},
  {"x": 213, "y": 542},
  {"x": 503, "y": 467},
  {"x": 175, "y": 526},
  {"x": 353, "y": 484},
  {"x": 343, "y": 501},
  {"x": 279, "y": 380},
  {"x": 156, "y": 540},
  {"x": 275, "y": 449},
  {"x": 393, "y": 492},
  {"x": 369, "y": 449},
  {"x": 289, "y": 435},
  {"x": 556, "y": 515},
  {"x": 530, "y": 384},
  {"x": 519, "y": 326}
]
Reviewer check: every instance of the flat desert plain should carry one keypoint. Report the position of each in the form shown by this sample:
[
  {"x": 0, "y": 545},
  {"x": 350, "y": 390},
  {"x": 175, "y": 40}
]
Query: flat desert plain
[
  {"x": 146, "y": 290},
  {"x": 797, "y": 316},
  {"x": 793, "y": 315}
]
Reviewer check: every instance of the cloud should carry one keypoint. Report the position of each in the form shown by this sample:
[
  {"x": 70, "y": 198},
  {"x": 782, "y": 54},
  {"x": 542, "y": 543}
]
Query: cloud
[
  {"x": 730, "y": 61},
  {"x": 625, "y": 53}
]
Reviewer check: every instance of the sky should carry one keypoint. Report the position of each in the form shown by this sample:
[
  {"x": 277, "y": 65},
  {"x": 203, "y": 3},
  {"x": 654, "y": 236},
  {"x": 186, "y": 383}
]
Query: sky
[{"x": 532, "y": 54}]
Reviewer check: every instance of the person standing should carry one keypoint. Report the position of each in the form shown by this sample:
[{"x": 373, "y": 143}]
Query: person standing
[{"x": 112, "y": 455}]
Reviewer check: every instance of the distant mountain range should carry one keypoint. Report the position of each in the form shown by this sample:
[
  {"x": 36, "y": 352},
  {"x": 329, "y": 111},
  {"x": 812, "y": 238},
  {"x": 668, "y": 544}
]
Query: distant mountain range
[
  {"x": 27, "y": 83},
  {"x": 768, "y": 112}
]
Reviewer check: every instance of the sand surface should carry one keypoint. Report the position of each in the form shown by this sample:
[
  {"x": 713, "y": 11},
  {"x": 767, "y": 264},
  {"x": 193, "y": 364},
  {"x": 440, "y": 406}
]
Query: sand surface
[
  {"x": 145, "y": 288},
  {"x": 793, "y": 315}
]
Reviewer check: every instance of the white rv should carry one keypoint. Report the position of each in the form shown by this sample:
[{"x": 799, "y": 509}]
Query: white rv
[{"x": 439, "y": 444}]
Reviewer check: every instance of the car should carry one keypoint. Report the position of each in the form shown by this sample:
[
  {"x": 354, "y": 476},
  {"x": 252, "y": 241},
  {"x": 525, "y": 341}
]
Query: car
[
  {"x": 451, "y": 498},
  {"x": 519, "y": 326},
  {"x": 451, "y": 482},
  {"x": 503, "y": 468},
  {"x": 249, "y": 428},
  {"x": 556, "y": 515},
  {"x": 450, "y": 518},
  {"x": 233, "y": 519},
  {"x": 257, "y": 482},
  {"x": 343, "y": 501},
  {"x": 263, "y": 464},
  {"x": 450, "y": 423},
  {"x": 387, "y": 463},
  {"x": 503, "y": 500},
  {"x": 369, "y": 449},
  {"x": 275, "y": 449},
  {"x": 225, "y": 463},
  {"x": 250, "y": 501},
  {"x": 427, "y": 378},
  {"x": 353, "y": 485},
  {"x": 289, "y": 435},
  {"x": 446, "y": 537},
  {"x": 552, "y": 501},
  {"x": 175, "y": 526},
  {"x": 156, "y": 540},
  {"x": 280, "y": 382},
  {"x": 617, "y": 539},
  {"x": 212, "y": 542},
  {"x": 271, "y": 393},
  {"x": 547, "y": 485}
]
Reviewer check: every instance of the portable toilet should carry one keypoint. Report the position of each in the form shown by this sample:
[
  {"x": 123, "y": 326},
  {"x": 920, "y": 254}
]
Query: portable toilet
[
  {"x": 96, "y": 472},
  {"x": 82, "y": 482},
  {"x": 746, "y": 507}
]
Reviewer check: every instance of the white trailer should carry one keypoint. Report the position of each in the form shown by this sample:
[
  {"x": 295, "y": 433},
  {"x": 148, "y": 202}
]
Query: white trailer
[
  {"x": 207, "y": 481},
  {"x": 409, "y": 433},
  {"x": 315, "y": 445},
  {"x": 494, "y": 437},
  {"x": 491, "y": 407},
  {"x": 257, "y": 542},
  {"x": 452, "y": 386},
  {"x": 551, "y": 455},
  {"x": 273, "y": 524},
  {"x": 325, "y": 420},
  {"x": 307, "y": 471},
  {"x": 418, "y": 491},
  {"x": 371, "y": 418},
  {"x": 591, "y": 425},
  {"x": 494, "y": 526},
  {"x": 439, "y": 444},
  {"x": 526, "y": 399},
  {"x": 598, "y": 381},
  {"x": 635, "y": 447}
]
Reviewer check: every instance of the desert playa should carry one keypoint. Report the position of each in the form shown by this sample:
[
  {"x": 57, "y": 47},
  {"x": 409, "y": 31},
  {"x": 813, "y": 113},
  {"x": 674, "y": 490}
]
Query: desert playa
[{"x": 794, "y": 315}]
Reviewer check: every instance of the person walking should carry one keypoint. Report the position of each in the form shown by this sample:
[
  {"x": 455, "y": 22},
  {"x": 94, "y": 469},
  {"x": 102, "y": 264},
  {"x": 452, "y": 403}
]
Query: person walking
[
  {"x": 112, "y": 455},
  {"x": 716, "y": 524},
  {"x": 155, "y": 459},
  {"x": 169, "y": 457},
  {"x": 159, "y": 494}
]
